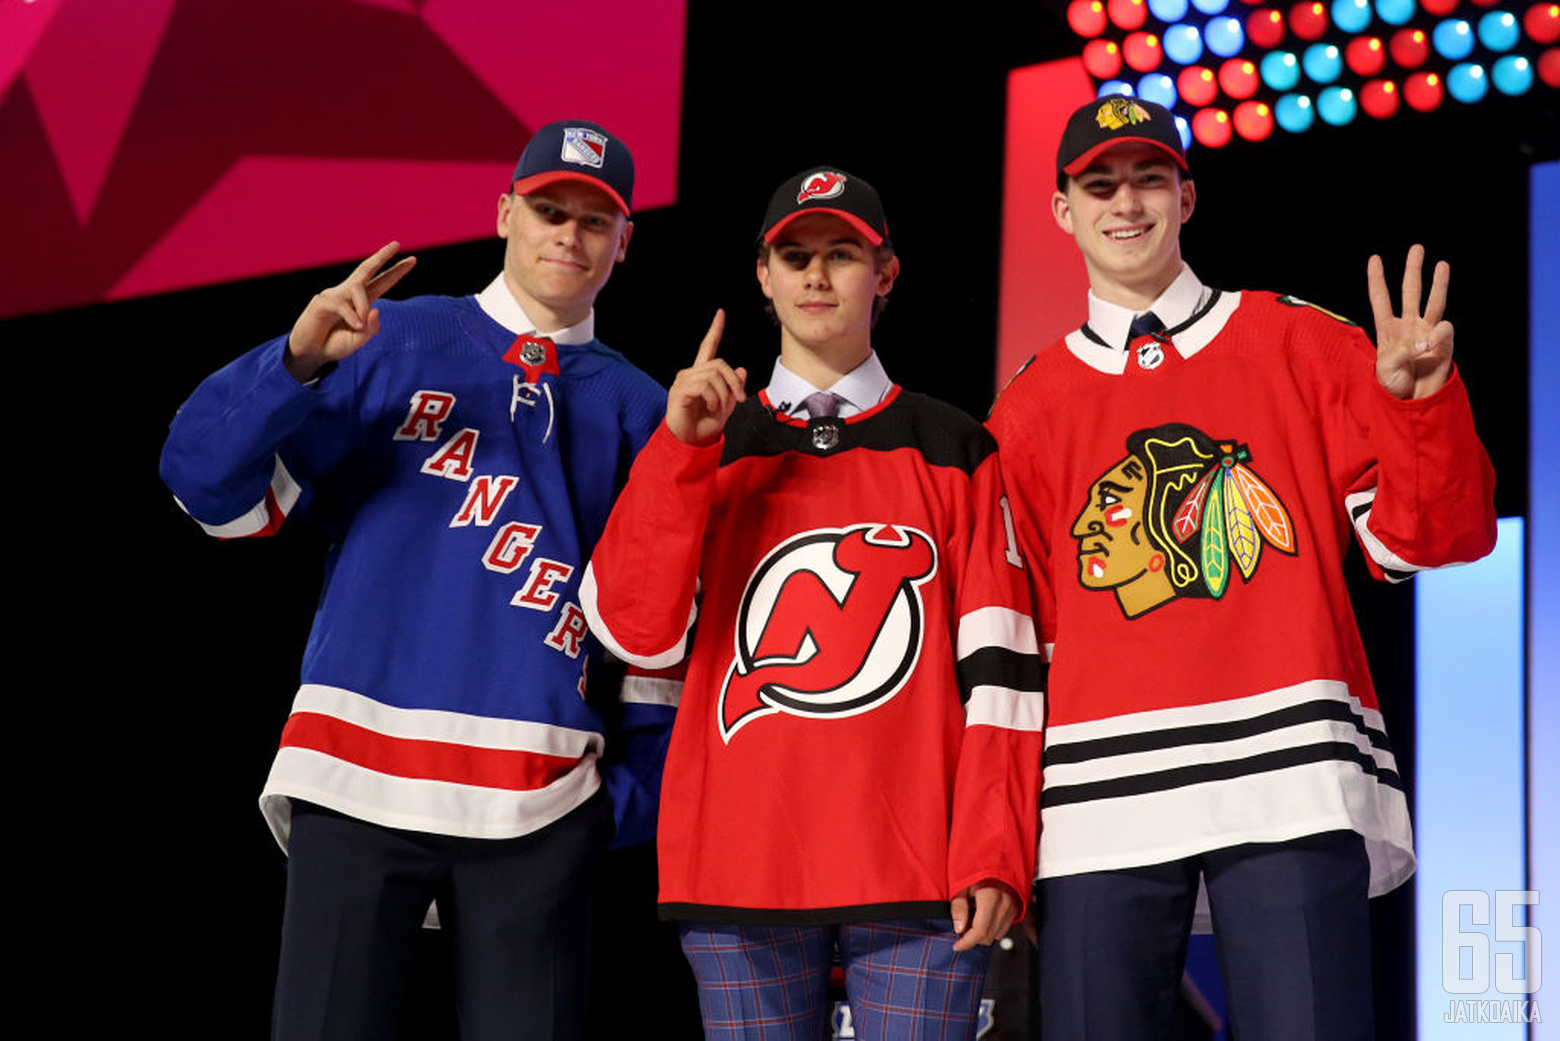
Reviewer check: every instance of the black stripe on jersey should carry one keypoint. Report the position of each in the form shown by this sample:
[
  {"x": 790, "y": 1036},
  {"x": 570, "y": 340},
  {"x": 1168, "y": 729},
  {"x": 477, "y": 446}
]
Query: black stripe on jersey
[
  {"x": 1000, "y": 667},
  {"x": 802, "y": 916},
  {"x": 1185, "y": 776},
  {"x": 1360, "y": 509},
  {"x": 944, "y": 435},
  {"x": 1209, "y": 733}
]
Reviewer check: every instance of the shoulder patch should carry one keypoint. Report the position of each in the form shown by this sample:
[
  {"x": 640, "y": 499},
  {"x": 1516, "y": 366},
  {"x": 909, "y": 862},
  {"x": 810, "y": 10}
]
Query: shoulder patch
[{"x": 1294, "y": 301}]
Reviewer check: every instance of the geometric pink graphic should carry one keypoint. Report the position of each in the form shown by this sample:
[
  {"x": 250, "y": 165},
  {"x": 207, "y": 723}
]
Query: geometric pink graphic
[{"x": 153, "y": 145}]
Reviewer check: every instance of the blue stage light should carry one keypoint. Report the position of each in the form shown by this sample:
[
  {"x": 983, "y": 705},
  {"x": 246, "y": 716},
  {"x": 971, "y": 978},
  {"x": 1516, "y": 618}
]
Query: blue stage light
[
  {"x": 1224, "y": 36},
  {"x": 1182, "y": 43},
  {"x": 1115, "y": 87},
  {"x": 1351, "y": 15},
  {"x": 1394, "y": 12},
  {"x": 1336, "y": 105},
  {"x": 1453, "y": 39},
  {"x": 1211, "y": 6},
  {"x": 1168, "y": 11},
  {"x": 1184, "y": 128},
  {"x": 1295, "y": 113},
  {"x": 1499, "y": 31},
  {"x": 1512, "y": 74},
  {"x": 1323, "y": 62},
  {"x": 1467, "y": 82},
  {"x": 1158, "y": 88},
  {"x": 1280, "y": 70}
]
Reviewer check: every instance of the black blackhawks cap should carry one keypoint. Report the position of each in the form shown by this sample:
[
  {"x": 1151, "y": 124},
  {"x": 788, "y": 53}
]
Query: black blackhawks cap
[
  {"x": 574, "y": 150},
  {"x": 827, "y": 191},
  {"x": 1104, "y": 122}
]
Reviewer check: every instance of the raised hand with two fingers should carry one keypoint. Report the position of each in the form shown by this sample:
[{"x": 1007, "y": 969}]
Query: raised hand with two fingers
[{"x": 343, "y": 318}]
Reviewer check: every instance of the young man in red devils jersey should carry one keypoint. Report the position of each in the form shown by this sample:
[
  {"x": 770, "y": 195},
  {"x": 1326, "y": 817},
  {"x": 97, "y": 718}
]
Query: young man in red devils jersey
[
  {"x": 1186, "y": 470},
  {"x": 855, "y": 756}
]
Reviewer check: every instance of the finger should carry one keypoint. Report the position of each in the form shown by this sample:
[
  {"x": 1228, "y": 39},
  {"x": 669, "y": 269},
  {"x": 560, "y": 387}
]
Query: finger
[
  {"x": 735, "y": 379},
  {"x": 339, "y": 304},
  {"x": 959, "y": 908},
  {"x": 1380, "y": 299},
  {"x": 383, "y": 282},
  {"x": 1435, "y": 307},
  {"x": 712, "y": 338},
  {"x": 1440, "y": 340},
  {"x": 358, "y": 297},
  {"x": 1412, "y": 269},
  {"x": 364, "y": 271}
]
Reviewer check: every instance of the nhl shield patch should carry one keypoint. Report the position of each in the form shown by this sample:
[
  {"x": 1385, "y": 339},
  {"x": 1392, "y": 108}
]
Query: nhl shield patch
[{"x": 584, "y": 146}]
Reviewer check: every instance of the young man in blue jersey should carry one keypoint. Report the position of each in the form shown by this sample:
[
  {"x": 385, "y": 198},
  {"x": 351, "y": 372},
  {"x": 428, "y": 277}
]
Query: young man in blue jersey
[{"x": 462, "y": 454}]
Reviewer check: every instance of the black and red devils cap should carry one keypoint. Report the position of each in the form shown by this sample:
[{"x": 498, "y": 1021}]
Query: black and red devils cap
[
  {"x": 1106, "y": 122},
  {"x": 576, "y": 150},
  {"x": 827, "y": 190}
]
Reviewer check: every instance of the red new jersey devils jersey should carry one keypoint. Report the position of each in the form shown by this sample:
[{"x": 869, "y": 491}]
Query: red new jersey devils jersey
[{"x": 859, "y": 732}]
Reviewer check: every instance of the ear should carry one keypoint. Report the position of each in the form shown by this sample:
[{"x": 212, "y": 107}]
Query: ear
[
  {"x": 1061, "y": 210},
  {"x": 505, "y": 203},
  {"x": 886, "y": 276},
  {"x": 763, "y": 279},
  {"x": 628, "y": 233},
  {"x": 1188, "y": 198}
]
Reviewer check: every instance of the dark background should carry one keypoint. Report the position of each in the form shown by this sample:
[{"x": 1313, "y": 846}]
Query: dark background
[{"x": 160, "y": 664}]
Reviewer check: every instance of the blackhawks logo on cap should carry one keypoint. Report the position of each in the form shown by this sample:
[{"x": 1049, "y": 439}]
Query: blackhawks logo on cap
[
  {"x": 1118, "y": 112},
  {"x": 825, "y": 184},
  {"x": 584, "y": 146}
]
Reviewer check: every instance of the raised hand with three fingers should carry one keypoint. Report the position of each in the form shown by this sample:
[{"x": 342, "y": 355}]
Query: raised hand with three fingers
[
  {"x": 704, "y": 394},
  {"x": 343, "y": 318},
  {"x": 1414, "y": 351}
]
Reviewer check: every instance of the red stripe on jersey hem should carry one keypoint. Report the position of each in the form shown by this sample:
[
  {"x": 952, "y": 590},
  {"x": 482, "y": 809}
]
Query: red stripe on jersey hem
[
  {"x": 801, "y": 421},
  {"x": 508, "y": 769},
  {"x": 803, "y": 916},
  {"x": 274, "y": 517}
]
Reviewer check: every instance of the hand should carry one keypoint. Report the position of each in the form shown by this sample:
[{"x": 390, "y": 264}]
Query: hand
[
  {"x": 995, "y": 907},
  {"x": 343, "y": 318},
  {"x": 1414, "y": 352},
  {"x": 704, "y": 394}
]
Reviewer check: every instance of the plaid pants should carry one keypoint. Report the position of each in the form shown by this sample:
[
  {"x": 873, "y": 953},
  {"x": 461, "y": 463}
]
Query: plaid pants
[{"x": 903, "y": 979}]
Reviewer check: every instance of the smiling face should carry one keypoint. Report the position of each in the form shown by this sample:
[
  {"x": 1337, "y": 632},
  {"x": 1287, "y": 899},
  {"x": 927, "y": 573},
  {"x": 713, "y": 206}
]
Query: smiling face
[
  {"x": 1114, "y": 550},
  {"x": 1125, "y": 211},
  {"x": 561, "y": 242},
  {"x": 821, "y": 275}
]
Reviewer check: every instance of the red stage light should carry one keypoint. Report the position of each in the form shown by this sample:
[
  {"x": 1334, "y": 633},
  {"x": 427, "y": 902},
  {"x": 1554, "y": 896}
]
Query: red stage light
[
  {"x": 1211, "y": 126},
  {"x": 1486, "y": 3},
  {"x": 1127, "y": 14},
  {"x": 1549, "y": 66},
  {"x": 1087, "y": 17},
  {"x": 1410, "y": 47},
  {"x": 1253, "y": 120},
  {"x": 1101, "y": 59},
  {"x": 1197, "y": 85},
  {"x": 1365, "y": 55},
  {"x": 1142, "y": 51},
  {"x": 1380, "y": 99},
  {"x": 1439, "y": 7},
  {"x": 1542, "y": 22},
  {"x": 1424, "y": 91},
  {"x": 1238, "y": 79},
  {"x": 1308, "y": 19},
  {"x": 1265, "y": 28}
]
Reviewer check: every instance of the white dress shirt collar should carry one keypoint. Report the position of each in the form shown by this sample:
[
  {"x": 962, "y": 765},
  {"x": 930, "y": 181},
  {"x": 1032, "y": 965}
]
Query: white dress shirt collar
[
  {"x": 859, "y": 389},
  {"x": 1176, "y": 304},
  {"x": 499, "y": 304}
]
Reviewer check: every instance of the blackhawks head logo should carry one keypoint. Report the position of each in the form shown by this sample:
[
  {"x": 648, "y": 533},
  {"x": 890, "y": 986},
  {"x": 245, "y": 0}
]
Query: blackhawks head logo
[
  {"x": 830, "y": 625},
  {"x": 1171, "y": 519},
  {"x": 1118, "y": 112}
]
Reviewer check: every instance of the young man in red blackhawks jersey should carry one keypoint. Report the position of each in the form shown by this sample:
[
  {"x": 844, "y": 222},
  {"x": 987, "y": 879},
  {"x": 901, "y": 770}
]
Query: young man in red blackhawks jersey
[
  {"x": 463, "y": 454},
  {"x": 1185, "y": 471},
  {"x": 856, "y": 753}
]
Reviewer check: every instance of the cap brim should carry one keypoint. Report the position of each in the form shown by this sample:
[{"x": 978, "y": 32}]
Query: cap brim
[
  {"x": 527, "y": 185},
  {"x": 1078, "y": 165},
  {"x": 870, "y": 233}
]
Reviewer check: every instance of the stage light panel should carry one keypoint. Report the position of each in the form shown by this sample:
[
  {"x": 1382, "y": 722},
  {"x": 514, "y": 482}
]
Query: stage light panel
[
  {"x": 1365, "y": 55},
  {"x": 1409, "y": 48},
  {"x": 1211, "y": 6},
  {"x": 1158, "y": 88},
  {"x": 1265, "y": 28},
  {"x": 1467, "y": 82},
  {"x": 1499, "y": 31},
  {"x": 1542, "y": 22},
  {"x": 1394, "y": 12},
  {"x": 1254, "y": 120},
  {"x": 1121, "y": 87},
  {"x": 1211, "y": 127},
  {"x": 1102, "y": 59},
  {"x": 1308, "y": 20},
  {"x": 1224, "y": 36},
  {"x": 1336, "y": 105},
  {"x": 1168, "y": 11},
  {"x": 1424, "y": 91},
  {"x": 1549, "y": 67},
  {"x": 1127, "y": 14},
  {"x": 1351, "y": 15},
  {"x": 1197, "y": 85},
  {"x": 1280, "y": 70},
  {"x": 1453, "y": 39},
  {"x": 1142, "y": 52},
  {"x": 1086, "y": 17},
  {"x": 1183, "y": 44},
  {"x": 1295, "y": 113},
  {"x": 1512, "y": 74},
  {"x": 1322, "y": 62},
  {"x": 1380, "y": 99}
]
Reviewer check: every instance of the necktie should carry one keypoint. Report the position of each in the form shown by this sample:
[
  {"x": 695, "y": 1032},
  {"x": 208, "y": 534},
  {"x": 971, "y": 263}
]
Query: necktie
[
  {"x": 823, "y": 403},
  {"x": 1145, "y": 324}
]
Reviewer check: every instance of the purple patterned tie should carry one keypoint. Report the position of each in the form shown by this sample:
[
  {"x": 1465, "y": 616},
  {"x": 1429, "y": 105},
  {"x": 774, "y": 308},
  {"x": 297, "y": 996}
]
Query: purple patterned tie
[{"x": 823, "y": 403}]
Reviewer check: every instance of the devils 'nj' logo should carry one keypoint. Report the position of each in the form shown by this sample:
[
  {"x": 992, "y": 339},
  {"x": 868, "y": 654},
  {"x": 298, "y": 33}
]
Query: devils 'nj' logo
[{"x": 830, "y": 625}]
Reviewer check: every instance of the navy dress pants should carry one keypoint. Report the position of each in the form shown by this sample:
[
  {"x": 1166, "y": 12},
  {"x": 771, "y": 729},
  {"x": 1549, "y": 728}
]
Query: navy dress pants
[
  {"x": 517, "y": 910},
  {"x": 1291, "y": 925}
]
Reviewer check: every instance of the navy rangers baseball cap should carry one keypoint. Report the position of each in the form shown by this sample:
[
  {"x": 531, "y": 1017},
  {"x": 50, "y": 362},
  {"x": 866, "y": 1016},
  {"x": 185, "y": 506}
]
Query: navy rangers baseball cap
[
  {"x": 575, "y": 150},
  {"x": 1106, "y": 122},
  {"x": 827, "y": 190}
]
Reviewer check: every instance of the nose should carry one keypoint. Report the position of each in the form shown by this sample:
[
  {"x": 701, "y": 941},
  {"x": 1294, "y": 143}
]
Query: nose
[
  {"x": 816, "y": 276},
  {"x": 567, "y": 232},
  {"x": 1087, "y": 525},
  {"x": 1126, "y": 199}
]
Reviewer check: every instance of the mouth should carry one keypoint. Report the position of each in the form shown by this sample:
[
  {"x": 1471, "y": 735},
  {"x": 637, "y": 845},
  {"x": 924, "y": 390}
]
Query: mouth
[
  {"x": 1094, "y": 566},
  {"x": 815, "y": 306},
  {"x": 563, "y": 262},
  {"x": 1131, "y": 234}
]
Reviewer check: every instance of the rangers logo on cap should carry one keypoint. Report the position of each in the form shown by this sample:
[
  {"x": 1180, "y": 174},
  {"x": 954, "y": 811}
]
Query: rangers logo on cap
[
  {"x": 584, "y": 146},
  {"x": 825, "y": 184}
]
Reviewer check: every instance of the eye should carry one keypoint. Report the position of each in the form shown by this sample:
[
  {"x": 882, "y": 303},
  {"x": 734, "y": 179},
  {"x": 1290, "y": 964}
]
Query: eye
[
  {"x": 796, "y": 258},
  {"x": 1108, "y": 499},
  {"x": 595, "y": 222}
]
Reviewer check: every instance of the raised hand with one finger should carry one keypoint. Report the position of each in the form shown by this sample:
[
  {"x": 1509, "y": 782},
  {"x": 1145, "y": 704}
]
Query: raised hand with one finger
[{"x": 704, "y": 395}]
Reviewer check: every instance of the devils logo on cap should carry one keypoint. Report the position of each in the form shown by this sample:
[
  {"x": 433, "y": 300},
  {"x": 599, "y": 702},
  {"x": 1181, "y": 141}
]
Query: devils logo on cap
[{"x": 825, "y": 184}]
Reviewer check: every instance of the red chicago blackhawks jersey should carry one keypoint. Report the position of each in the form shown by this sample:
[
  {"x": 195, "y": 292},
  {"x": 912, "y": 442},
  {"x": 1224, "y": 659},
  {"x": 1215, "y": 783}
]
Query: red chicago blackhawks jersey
[
  {"x": 1186, "y": 505},
  {"x": 859, "y": 730}
]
